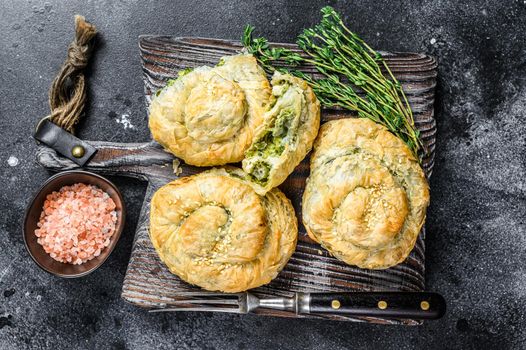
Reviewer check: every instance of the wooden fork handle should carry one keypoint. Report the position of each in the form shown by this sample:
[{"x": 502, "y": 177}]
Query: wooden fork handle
[{"x": 414, "y": 305}]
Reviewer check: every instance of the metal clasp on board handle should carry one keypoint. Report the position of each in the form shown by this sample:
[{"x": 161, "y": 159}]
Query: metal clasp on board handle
[{"x": 63, "y": 142}]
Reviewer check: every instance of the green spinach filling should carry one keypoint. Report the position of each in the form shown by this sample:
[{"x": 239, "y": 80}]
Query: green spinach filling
[
  {"x": 170, "y": 82},
  {"x": 270, "y": 144},
  {"x": 234, "y": 174},
  {"x": 259, "y": 173}
]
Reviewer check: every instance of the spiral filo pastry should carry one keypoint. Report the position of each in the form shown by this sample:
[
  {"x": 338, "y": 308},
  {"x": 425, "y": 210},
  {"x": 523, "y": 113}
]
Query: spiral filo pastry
[
  {"x": 366, "y": 197},
  {"x": 213, "y": 230},
  {"x": 208, "y": 116},
  {"x": 287, "y": 134}
]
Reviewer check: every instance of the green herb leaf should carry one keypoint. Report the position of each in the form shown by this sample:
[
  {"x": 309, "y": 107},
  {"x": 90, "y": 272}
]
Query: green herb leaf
[{"x": 352, "y": 71}]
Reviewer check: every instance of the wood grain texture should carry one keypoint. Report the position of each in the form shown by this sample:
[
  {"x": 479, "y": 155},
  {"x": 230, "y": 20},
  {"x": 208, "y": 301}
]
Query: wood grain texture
[{"x": 149, "y": 284}]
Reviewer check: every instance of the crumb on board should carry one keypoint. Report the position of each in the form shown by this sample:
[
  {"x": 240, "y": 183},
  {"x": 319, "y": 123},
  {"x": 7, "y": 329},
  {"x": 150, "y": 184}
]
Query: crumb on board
[{"x": 177, "y": 167}]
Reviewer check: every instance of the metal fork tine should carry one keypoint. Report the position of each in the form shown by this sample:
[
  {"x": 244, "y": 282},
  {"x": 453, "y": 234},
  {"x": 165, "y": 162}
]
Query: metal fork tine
[
  {"x": 206, "y": 309},
  {"x": 205, "y": 301},
  {"x": 208, "y": 303},
  {"x": 210, "y": 294}
]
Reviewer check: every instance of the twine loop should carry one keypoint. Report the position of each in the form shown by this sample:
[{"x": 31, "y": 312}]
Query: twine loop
[{"x": 67, "y": 96}]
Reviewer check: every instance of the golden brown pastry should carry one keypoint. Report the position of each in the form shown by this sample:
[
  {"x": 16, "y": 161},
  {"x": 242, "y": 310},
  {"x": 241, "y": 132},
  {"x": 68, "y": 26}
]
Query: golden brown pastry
[
  {"x": 214, "y": 231},
  {"x": 366, "y": 197},
  {"x": 208, "y": 116},
  {"x": 287, "y": 135}
]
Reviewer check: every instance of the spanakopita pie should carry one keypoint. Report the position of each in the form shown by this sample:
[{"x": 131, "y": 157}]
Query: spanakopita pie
[
  {"x": 213, "y": 230},
  {"x": 366, "y": 197},
  {"x": 208, "y": 116},
  {"x": 287, "y": 134}
]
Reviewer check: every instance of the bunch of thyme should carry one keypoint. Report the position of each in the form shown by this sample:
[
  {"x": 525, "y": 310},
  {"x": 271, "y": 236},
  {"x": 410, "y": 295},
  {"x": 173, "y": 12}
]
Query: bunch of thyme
[{"x": 352, "y": 77}]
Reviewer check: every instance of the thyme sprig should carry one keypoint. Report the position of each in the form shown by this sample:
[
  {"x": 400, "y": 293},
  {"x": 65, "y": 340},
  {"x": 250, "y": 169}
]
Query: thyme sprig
[{"x": 352, "y": 76}]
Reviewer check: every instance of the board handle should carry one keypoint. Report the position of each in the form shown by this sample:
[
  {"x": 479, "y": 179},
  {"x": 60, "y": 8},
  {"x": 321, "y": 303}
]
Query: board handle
[
  {"x": 415, "y": 305},
  {"x": 138, "y": 160}
]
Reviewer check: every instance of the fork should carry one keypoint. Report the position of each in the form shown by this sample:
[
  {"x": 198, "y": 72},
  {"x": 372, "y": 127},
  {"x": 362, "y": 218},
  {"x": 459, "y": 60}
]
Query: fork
[{"x": 414, "y": 305}]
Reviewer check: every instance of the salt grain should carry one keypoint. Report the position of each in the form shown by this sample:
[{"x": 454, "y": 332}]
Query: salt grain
[
  {"x": 76, "y": 223},
  {"x": 125, "y": 121},
  {"x": 12, "y": 161}
]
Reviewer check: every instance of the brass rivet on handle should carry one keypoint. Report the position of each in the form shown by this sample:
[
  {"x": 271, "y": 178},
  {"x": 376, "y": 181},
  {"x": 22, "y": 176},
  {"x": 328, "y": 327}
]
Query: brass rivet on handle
[
  {"x": 382, "y": 305},
  {"x": 424, "y": 305},
  {"x": 336, "y": 304},
  {"x": 78, "y": 151}
]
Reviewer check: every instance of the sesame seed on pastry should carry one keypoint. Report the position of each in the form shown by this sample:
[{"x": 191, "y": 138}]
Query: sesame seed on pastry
[
  {"x": 208, "y": 116},
  {"x": 213, "y": 230},
  {"x": 366, "y": 197}
]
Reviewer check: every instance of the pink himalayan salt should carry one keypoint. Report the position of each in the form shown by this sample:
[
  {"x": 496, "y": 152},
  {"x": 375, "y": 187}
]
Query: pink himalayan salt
[{"x": 76, "y": 223}]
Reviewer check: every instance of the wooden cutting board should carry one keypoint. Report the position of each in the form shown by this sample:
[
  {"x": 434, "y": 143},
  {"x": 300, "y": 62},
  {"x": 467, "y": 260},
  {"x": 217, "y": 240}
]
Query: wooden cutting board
[{"x": 149, "y": 284}]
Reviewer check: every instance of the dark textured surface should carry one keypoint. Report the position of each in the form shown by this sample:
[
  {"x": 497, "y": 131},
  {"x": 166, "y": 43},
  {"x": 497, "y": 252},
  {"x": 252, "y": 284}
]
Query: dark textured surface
[{"x": 476, "y": 235}]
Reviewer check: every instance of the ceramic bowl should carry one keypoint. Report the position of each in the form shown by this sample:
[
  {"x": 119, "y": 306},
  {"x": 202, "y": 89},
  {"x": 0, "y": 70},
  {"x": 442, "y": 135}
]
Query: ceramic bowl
[{"x": 32, "y": 216}]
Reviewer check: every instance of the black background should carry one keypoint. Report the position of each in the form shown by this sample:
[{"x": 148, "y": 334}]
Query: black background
[{"x": 476, "y": 235}]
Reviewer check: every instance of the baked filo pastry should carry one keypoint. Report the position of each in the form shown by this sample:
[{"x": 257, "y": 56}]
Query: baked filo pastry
[
  {"x": 366, "y": 197},
  {"x": 208, "y": 116},
  {"x": 289, "y": 129},
  {"x": 213, "y": 230}
]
